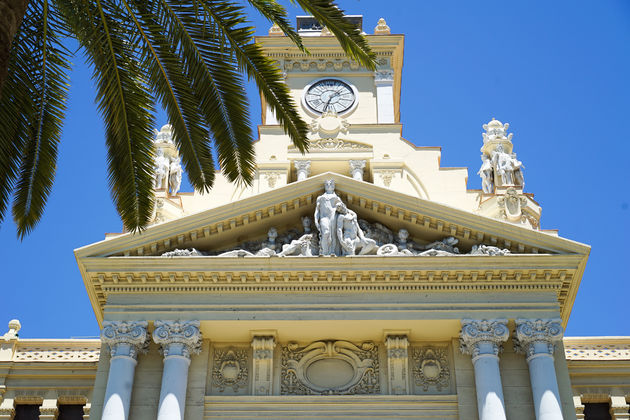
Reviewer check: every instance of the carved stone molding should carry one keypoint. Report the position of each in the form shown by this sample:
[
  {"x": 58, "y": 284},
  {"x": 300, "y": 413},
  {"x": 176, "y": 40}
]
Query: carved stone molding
[
  {"x": 32, "y": 353},
  {"x": 335, "y": 145},
  {"x": 487, "y": 333},
  {"x": 534, "y": 336},
  {"x": 382, "y": 28},
  {"x": 512, "y": 205},
  {"x": 181, "y": 338},
  {"x": 319, "y": 65},
  {"x": 387, "y": 175},
  {"x": 330, "y": 368},
  {"x": 430, "y": 367},
  {"x": 272, "y": 178},
  {"x": 262, "y": 347},
  {"x": 397, "y": 364},
  {"x": 383, "y": 76},
  {"x": 229, "y": 369},
  {"x": 125, "y": 338}
]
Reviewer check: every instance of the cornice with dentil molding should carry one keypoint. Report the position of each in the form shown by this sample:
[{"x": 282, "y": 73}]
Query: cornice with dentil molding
[
  {"x": 125, "y": 338},
  {"x": 181, "y": 338},
  {"x": 531, "y": 331},
  {"x": 477, "y": 331}
]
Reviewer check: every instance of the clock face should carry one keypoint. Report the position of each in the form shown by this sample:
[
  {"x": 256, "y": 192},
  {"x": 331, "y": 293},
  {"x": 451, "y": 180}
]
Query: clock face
[{"x": 330, "y": 95}]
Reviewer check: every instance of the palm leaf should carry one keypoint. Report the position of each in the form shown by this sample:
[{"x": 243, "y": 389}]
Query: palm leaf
[
  {"x": 103, "y": 29},
  {"x": 353, "y": 43},
  {"x": 172, "y": 86},
  {"x": 16, "y": 106},
  {"x": 218, "y": 85},
  {"x": 259, "y": 67},
  {"x": 277, "y": 14},
  {"x": 49, "y": 84}
]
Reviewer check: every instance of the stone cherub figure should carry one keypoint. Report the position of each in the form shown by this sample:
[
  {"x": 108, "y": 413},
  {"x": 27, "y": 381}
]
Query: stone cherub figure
[
  {"x": 325, "y": 219},
  {"x": 350, "y": 235}
]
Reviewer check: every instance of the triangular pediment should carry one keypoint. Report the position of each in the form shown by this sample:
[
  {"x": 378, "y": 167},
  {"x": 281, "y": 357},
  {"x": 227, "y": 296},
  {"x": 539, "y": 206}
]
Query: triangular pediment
[
  {"x": 249, "y": 220},
  {"x": 145, "y": 263}
]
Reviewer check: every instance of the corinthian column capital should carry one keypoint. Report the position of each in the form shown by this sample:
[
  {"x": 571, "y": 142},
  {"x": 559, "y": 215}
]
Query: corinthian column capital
[
  {"x": 125, "y": 338},
  {"x": 483, "y": 336},
  {"x": 535, "y": 336},
  {"x": 178, "y": 338}
]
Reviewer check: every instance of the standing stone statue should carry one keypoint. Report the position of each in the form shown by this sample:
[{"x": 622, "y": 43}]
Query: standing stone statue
[
  {"x": 175, "y": 176},
  {"x": 350, "y": 235},
  {"x": 486, "y": 172},
  {"x": 161, "y": 168},
  {"x": 325, "y": 219}
]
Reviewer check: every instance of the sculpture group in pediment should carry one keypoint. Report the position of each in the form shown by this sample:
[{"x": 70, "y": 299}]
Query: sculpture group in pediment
[{"x": 341, "y": 233}]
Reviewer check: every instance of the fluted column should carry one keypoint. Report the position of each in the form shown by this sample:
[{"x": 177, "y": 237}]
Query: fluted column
[
  {"x": 356, "y": 169},
  {"x": 178, "y": 340},
  {"x": 536, "y": 338},
  {"x": 125, "y": 339},
  {"x": 483, "y": 339},
  {"x": 303, "y": 168}
]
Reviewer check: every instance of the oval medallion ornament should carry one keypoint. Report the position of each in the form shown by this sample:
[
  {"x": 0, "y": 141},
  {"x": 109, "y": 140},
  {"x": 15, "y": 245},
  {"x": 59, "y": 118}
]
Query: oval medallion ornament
[{"x": 330, "y": 373}]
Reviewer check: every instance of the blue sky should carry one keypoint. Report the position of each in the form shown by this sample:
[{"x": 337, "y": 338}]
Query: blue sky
[{"x": 558, "y": 72}]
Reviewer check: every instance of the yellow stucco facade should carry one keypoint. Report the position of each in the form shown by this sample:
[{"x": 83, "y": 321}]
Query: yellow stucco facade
[{"x": 266, "y": 328}]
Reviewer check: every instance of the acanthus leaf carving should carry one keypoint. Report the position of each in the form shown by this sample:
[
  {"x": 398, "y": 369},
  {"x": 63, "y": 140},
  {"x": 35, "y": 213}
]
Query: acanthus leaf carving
[
  {"x": 229, "y": 369},
  {"x": 430, "y": 367}
]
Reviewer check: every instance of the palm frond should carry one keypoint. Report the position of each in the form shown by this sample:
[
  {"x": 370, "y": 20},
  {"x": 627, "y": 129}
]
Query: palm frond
[
  {"x": 172, "y": 86},
  {"x": 16, "y": 107},
  {"x": 259, "y": 67},
  {"x": 216, "y": 82},
  {"x": 353, "y": 43},
  {"x": 275, "y": 13},
  {"x": 103, "y": 29}
]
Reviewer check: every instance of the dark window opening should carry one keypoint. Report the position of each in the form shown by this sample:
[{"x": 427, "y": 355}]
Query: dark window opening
[
  {"x": 597, "y": 411},
  {"x": 26, "y": 412},
  {"x": 70, "y": 412}
]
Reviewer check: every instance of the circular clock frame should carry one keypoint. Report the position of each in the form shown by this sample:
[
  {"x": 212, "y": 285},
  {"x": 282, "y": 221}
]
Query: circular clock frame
[{"x": 316, "y": 113}]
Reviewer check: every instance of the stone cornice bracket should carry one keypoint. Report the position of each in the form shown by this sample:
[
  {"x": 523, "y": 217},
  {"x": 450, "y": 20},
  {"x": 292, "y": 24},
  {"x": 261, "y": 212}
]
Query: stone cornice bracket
[
  {"x": 483, "y": 336},
  {"x": 262, "y": 378},
  {"x": 397, "y": 363},
  {"x": 383, "y": 77},
  {"x": 125, "y": 338},
  {"x": 537, "y": 336},
  {"x": 178, "y": 338}
]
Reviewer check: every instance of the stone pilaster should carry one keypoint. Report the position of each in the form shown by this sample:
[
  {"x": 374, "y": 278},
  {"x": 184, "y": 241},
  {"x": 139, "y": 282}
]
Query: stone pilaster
[
  {"x": 536, "y": 338},
  {"x": 177, "y": 340},
  {"x": 303, "y": 168},
  {"x": 579, "y": 408},
  {"x": 483, "y": 340},
  {"x": 397, "y": 364},
  {"x": 125, "y": 340},
  {"x": 262, "y": 378},
  {"x": 356, "y": 169},
  {"x": 384, "y": 81}
]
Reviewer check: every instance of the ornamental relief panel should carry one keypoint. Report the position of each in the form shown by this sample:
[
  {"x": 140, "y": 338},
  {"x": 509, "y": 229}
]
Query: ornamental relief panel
[
  {"x": 431, "y": 369},
  {"x": 230, "y": 370},
  {"x": 331, "y": 367}
]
